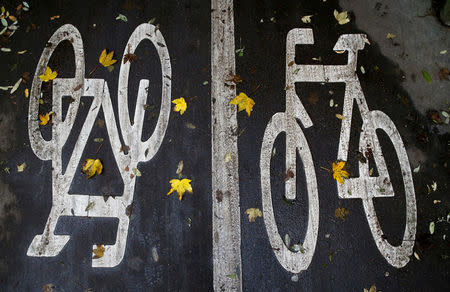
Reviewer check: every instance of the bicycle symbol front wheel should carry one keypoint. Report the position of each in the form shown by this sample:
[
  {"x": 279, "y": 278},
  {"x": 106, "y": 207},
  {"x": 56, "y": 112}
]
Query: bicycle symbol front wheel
[
  {"x": 397, "y": 256},
  {"x": 294, "y": 262}
]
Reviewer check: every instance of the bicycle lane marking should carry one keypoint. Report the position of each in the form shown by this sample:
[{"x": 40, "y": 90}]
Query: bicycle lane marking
[
  {"x": 48, "y": 244},
  {"x": 226, "y": 220}
]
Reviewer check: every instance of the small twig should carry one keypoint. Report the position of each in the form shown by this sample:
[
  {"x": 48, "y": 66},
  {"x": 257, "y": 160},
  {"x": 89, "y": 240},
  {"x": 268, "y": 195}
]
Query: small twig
[
  {"x": 93, "y": 70},
  {"x": 325, "y": 169},
  {"x": 99, "y": 147}
]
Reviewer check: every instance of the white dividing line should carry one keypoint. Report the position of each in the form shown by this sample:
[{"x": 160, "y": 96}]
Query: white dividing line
[{"x": 225, "y": 177}]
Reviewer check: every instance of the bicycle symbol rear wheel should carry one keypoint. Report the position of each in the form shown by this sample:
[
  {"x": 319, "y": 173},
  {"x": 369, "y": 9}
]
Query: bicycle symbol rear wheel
[
  {"x": 397, "y": 256},
  {"x": 294, "y": 262}
]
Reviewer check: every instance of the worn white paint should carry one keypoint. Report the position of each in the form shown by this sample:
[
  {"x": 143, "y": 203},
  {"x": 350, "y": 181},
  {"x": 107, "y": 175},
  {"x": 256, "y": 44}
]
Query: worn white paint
[
  {"x": 365, "y": 187},
  {"x": 225, "y": 176},
  {"x": 296, "y": 142},
  {"x": 48, "y": 244}
]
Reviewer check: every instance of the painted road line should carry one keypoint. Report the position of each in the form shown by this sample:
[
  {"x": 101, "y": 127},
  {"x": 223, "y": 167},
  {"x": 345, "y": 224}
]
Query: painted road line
[{"x": 225, "y": 177}]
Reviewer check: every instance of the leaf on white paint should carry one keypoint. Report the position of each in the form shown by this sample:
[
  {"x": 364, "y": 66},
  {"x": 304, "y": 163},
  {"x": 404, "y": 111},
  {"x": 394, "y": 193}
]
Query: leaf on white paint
[
  {"x": 227, "y": 157},
  {"x": 137, "y": 172},
  {"x": 89, "y": 206},
  {"x": 287, "y": 240},
  {"x": 431, "y": 227}
]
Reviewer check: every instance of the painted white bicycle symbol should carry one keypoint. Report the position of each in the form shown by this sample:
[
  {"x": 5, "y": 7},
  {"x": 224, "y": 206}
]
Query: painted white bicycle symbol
[
  {"x": 49, "y": 244},
  {"x": 364, "y": 187}
]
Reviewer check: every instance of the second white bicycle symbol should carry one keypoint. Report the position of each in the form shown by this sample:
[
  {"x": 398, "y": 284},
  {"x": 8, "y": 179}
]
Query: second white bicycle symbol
[{"x": 364, "y": 187}]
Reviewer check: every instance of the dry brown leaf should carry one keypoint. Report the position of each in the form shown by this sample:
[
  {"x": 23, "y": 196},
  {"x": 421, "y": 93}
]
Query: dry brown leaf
[
  {"x": 444, "y": 73},
  {"x": 99, "y": 251},
  {"x": 129, "y": 58}
]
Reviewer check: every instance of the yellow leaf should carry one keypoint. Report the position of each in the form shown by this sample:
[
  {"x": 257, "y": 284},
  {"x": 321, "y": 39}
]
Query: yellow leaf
[
  {"x": 12, "y": 18},
  {"x": 243, "y": 102},
  {"x": 373, "y": 288},
  {"x": 341, "y": 17},
  {"x": 106, "y": 59},
  {"x": 341, "y": 213},
  {"x": 91, "y": 167},
  {"x": 253, "y": 213},
  {"x": 390, "y": 36},
  {"x": 307, "y": 18},
  {"x": 99, "y": 251},
  {"x": 48, "y": 75},
  {"x": 180, "y": 186},
  {"x": 27, "y": 92},
  {"x": 21, "y": 167},
  {"x": 341, "y": 117},
  {"x": 44, "y": 119},
  {"x": 339, "y": 173},
  {"x": 180, "y": 105}
]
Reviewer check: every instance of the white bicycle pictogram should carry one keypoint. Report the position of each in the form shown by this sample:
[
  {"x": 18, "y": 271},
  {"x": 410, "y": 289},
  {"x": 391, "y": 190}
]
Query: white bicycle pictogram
[
  {"x": 49, "y": 244},
  {"x": 364, "y": 187}
]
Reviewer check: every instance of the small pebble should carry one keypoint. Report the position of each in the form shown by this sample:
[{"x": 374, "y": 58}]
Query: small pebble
[{"x": 294, "y": 278}]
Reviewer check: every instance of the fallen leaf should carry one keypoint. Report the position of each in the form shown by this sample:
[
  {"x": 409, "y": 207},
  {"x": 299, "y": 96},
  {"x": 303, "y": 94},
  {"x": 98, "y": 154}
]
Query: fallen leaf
[
  {"x": 21, "y": 167},
  {"x": 416, "y": 170},
  {"x": 341, "y": 212},
  {"x": 136, "y": 171},
  {"x": 190, "y": 126},
  {"x": 48, "y": 75},
  {"x": 180, "y": 186},
  {"x": 434, "y": 186},
  {"x": 437, "y": 202},
  {"x": 12, "y": 18},
  {"x": 339, "y": 173},
  {"x": 122, "y": 17},
  {"x": 443, "y": 52},
  {"x": 307, "y": 18},
  {"x": 240, "y": 52},
  {"x": 91, "y": 167},
  {"x": 313, "y": 98},
  {"x": 339, "y": 116},
  {"x": 289, "y": 175},
  {"x": 427, "y": 76},
  {"x": 416, "y": 255},
  {"x": 180, "y": 168},
  {"x": 16, "y": 85},
  {"x": 237, "y": 79},
  {"x": 434, "y": 116},
  {"x": 253, "y": 213},
  {"x": 48, "y": 288},
  {"x": 98, "y": 140},
  {"x": 205, "y": 82},
  {"x": 227, "y": 157},
  {"x": 431, "y": 227},
  {"x": 129, "y": 58},
  {"x": 372, "y": 288},
  {"x": 44, "y": 119},
  {"x": 444, "y": 73},
  {"x": 390, "y": 36},
  {"x": 341, "y": 17},
  {"x": 243, "y": 102},
  {"x": 106, "y": 59},
  {"x": 99, "y": 251},
  {"x": 55, "y": 17},
  {"x": 180, "y": 105},
  {"x": 27, "y": 92},
  {"x": 89, "y": 206}
]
